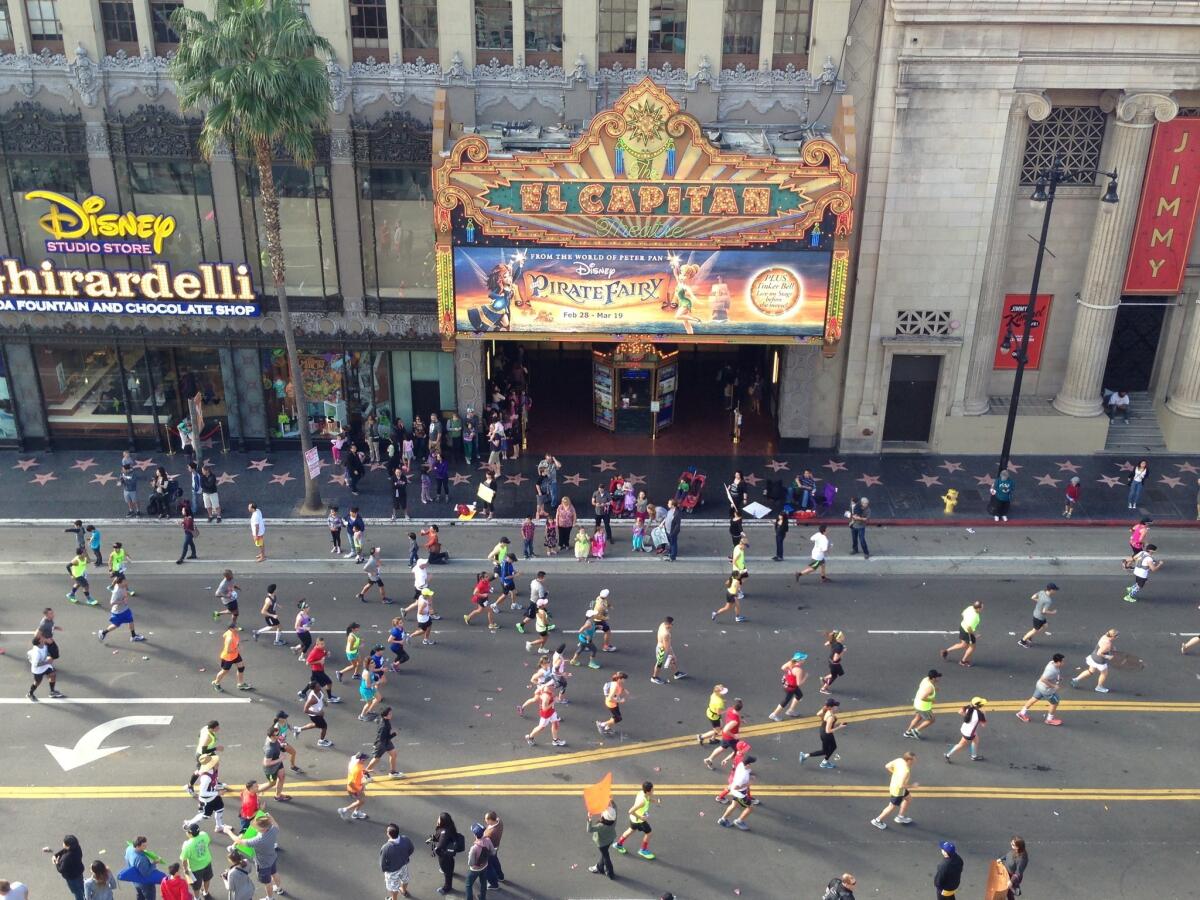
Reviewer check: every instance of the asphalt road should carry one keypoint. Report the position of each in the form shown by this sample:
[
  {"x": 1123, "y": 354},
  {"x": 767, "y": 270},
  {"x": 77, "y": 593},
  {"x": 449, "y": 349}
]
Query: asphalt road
[{"x": 1098, "y": 800}]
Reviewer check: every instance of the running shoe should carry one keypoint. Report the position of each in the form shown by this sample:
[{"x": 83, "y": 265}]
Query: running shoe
[
  {"x": 945, "y": 654},
  {"x": 882, "y": 826},
  {"x": 335, "y": 699},
  {"x": 740, "y": 619},
  {"x": 824, "y": 691},
  {"x": 100, "y": 634},
  {"x": 216, "y": 685},
  {"x": 279, "y": 643},
  {"x": 620, "y": 848},
  {"x": 976, "y": 758},
  {"x": 1129, "y": 598},
  {"x": 712, "y": 616},
  {"x": 804, "y": 756},
  {"x": 576, "y": 663},
  {"x": 902, "y": 820},
  {"x": 645, "y": 854},
  {"x": 216, "y": 615},
  {"x": 339, "y": 676},
  {"x": 72, "y": 598},
  {"x": 609, "y": 649},
  {"x": 324, "y": 743},
  {"x": 520, "y": 628},
  {"x": 740, "y": 825},
  {"x": 32, "y": 696},
  {"x": 359, "y": 815},
  {"x": 1074, "y": 684},
  {"x": 679, "y": 676},
  {"x": 137, "y": 638},
  {"x": 56, "y": 695},
  {"x": 529, "y": 740},
  {"x": 559, "y": 743},
  {"x": 946, "y": 756},
  {"x": 245, "y": 686},
  {"x": 826, "y": 764},
  {"x": 593, "y": 665},
  {"x": 395, "y": 774},
  {"x": 1052, "y": 720},
  {"x": 774, "y": 718},
  {"x": 1024, "y": 643},
  {"x": 344, "y": 813},
  {"x": 466, "y": 619},
  {"x": 657, "y": 680},
  {"x": 91, "y": 601},
  {"x": 724, "y": 823},
  {"x": 1022, "y": 715},
  {"x": 1100, "y": 689}
]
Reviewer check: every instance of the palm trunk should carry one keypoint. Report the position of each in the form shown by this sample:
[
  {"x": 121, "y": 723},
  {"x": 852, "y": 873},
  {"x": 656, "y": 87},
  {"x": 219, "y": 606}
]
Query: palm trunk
[{"x": 270, "y": 207}]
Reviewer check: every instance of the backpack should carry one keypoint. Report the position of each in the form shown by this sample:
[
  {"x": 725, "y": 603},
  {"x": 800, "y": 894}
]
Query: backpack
[{"x": 460, "y": 843}]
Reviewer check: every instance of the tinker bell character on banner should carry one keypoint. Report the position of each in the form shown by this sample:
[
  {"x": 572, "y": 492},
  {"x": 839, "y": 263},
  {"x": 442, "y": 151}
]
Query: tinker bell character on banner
[
  {"x": 688, "y": 278},
  {"x": 502, "y": 291}
]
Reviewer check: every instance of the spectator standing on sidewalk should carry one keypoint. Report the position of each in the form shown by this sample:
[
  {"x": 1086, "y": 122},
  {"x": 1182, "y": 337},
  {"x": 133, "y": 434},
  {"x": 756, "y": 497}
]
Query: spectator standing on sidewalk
[
  {"x": 208, "y": 488},
  {"x": 129, "y": 482},
  {"x": 69, "y": 863},
  {"x": 1015, "y": 862},
  {"x": 258, "y": 531},
  {"x": 672, "y": 524},
  {"x": 394, "y": 855},
  {"x": 195, "y": 486},
  {"x": 1002, "y": 491},
  {"x": 352, "y": 461},
  {"x": 550, "y": 466},
  {"x": 948, "y": 876},
  {"x": 860, "y": 513},
  {"x": 1136, "y": 480},
  {"x": 493, "y": 830},
  {"x": 602, "y": 505},
  {"x": 781, "y": 530}
]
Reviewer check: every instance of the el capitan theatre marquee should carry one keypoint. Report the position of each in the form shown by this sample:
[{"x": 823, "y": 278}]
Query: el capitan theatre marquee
[
  {"x": 84, "y": 228},
  {"x": 642, "y": 227}
]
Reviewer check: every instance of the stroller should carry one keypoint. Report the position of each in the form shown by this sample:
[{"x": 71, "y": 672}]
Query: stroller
[
  {"x": 617, "y": 488},
  {"x": 691, "y": 489},
  {"x": 161, "y": 504}
]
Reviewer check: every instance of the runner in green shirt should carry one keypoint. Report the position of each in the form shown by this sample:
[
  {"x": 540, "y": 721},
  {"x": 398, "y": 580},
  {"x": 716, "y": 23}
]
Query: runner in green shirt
[{"x": 197, "y": 859}]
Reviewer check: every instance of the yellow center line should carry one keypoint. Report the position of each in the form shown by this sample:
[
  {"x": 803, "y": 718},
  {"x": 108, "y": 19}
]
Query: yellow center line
[{"x": 427, "y": 783}]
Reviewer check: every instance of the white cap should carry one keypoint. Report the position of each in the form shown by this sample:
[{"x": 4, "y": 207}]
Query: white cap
[
  {"x": 604, "y": 593},
  {"x": 422, "y": 562}
]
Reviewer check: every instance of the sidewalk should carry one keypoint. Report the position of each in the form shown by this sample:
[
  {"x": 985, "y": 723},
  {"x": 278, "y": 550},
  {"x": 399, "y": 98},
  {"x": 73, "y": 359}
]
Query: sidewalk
[{"x": 902, "y": 489}]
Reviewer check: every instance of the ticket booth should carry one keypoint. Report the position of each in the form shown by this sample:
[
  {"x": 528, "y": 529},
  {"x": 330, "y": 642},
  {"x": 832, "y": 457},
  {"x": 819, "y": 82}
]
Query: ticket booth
[{"x": 634, "y": 388}]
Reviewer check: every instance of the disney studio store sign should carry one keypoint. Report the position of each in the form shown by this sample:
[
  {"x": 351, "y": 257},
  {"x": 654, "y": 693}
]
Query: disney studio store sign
[{"x": 84, "y": 228}]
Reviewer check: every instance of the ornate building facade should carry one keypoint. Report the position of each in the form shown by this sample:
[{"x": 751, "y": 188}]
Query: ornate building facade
[{"x": 87, "y": 110}]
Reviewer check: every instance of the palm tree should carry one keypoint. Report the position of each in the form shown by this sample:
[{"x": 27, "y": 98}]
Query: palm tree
[{"x": 256, "y": 69}]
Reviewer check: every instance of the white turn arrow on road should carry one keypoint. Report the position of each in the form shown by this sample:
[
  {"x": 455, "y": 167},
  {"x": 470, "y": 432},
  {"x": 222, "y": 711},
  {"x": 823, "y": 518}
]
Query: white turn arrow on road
[{"x": 87, "y": 749}]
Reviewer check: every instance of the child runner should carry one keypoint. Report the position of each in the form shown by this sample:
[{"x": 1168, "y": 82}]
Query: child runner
[
  {"x": 334, "y": 521},
  {"x": 829, "y": 726},
  {"x": 353, "y": 645},
  {"x": 835, "y": 641},
  {"x": 78, "y": 569},
  {"x": 270, "y": 614},
  {"x": 119, "y": 611},
  {"x": 639, "y": 821}
]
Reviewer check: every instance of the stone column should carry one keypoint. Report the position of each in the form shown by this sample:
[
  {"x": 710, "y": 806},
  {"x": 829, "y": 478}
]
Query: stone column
[
  {"x": 1133, "y": 127},
  {"x": 1025, "y": 108},
  {"x": 1185, "y": 381}
]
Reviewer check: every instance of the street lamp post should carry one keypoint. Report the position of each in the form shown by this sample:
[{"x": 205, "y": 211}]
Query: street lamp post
[{"x": 1046, "y": 184}]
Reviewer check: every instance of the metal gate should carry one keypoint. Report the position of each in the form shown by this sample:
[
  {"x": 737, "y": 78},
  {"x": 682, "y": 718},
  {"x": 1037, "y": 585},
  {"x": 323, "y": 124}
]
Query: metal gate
[{"x": 1134, "y": 343}]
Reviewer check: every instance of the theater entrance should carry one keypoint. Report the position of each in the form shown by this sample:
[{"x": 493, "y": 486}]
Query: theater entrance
[{"x": 673, "y": 400}]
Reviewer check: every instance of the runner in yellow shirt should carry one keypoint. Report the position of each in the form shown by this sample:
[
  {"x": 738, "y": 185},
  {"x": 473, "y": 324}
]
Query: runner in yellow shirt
[
  {"x": 716, "y": 709},
  {"x": 899, "y": 795}
]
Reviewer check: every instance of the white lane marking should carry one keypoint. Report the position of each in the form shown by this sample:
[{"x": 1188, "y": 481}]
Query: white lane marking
[
  {"x": 88, "y": 750},
  {"x": 912, "y": 632},
  {"x": 117, "y": 701},
  {"x": 633, "y": 631}
]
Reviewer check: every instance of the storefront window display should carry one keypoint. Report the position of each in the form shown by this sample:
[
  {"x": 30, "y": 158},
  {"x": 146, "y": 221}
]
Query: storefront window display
[
  {"x": 90, "y": 393},
  {"x": 84, "y": 392},
  {"x": 324, "y": 385},
  {"x": 8, "y": 422},
  {"x": 369, "y": 386},
  {"x": 306, "y": 218}
]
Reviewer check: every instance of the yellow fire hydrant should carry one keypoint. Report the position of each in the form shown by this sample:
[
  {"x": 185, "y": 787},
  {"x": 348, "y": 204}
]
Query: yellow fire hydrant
[{"x": 950, "y": 498}]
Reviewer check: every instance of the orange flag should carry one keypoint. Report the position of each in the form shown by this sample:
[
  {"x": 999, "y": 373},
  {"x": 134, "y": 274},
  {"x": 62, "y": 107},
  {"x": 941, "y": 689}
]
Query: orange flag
[
  {"x": 598, "y": 797},
  {"x": 997, "y": 885}
]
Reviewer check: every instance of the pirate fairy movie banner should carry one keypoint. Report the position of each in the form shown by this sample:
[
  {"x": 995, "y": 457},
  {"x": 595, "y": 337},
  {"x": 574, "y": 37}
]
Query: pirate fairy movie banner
[
  {"x": 686, "y": 292},
  {"x": 642, "y": 226}
]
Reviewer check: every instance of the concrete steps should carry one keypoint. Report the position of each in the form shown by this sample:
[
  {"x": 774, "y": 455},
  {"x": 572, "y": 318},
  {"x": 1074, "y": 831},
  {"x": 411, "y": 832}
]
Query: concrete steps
[{"x": 1142, "y": 435}]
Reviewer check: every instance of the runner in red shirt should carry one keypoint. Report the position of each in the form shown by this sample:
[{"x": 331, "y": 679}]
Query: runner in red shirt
[
  {"x": 481, "y": 600},
  {"x": 729, "y": 733},
  {"x": 316, "y": 663}
]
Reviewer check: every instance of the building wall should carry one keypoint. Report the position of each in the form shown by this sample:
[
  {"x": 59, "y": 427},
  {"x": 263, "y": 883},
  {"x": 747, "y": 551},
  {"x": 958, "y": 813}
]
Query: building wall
[
  {"x": 940, "y": 193},
  {"x": 549, "y": 82}
]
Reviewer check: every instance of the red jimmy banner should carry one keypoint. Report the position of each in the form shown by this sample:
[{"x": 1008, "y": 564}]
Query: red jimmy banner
[
  {"x": 1167, "y": 217},
  {"x": 1012, "y": 326}
]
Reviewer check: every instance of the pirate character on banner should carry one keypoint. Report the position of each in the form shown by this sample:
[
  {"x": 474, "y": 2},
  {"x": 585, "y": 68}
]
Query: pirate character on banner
[{"x": 502, "y": 288}]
